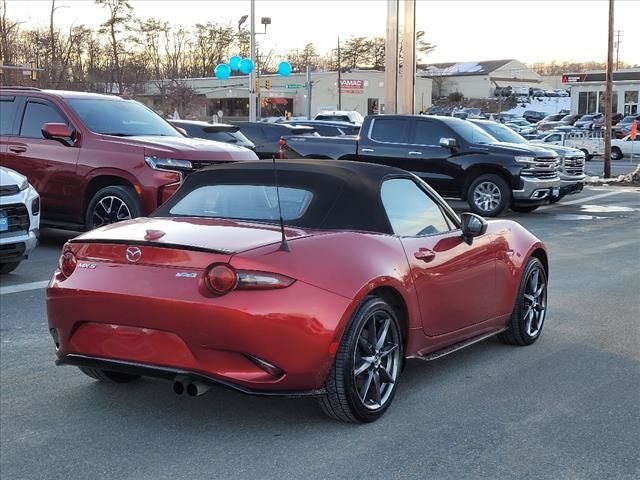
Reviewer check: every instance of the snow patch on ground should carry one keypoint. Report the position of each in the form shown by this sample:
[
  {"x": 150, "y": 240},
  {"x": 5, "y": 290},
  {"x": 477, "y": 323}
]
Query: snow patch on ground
[{"x": 542, "y": 104}]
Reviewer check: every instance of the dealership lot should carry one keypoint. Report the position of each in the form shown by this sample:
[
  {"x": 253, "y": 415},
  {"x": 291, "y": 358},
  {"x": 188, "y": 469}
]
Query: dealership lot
[{"x": 566, "y": 407}]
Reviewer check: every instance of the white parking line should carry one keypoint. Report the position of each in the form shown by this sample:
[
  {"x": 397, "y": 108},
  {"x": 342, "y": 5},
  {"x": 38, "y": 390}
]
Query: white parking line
[
  {"x": 23, "y": 287},
  {"x": 593, "y": 197}
]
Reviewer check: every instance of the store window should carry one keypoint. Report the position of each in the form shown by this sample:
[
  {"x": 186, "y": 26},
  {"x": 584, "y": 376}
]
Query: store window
[
  {"x": 587, "y": 102},
  {"x": 602, "y": 102},
  {"x": 630, "y": 102}
]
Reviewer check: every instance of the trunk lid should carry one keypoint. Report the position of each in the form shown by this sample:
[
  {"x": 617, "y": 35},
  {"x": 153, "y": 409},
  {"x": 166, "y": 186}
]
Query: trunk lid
[{"x": 179, "y": 241}]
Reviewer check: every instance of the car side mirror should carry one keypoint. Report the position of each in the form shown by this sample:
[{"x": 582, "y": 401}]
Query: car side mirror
[
  {"x": 472, "y": 226},
  {"x": 448, "y": 143},
  {"x": 58, "y": 131}
]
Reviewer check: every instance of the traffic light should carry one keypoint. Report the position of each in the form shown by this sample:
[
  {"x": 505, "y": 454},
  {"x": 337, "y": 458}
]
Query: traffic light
[
  {"x": 258, "y": 85},
  {"x": 267, "y": 84}
]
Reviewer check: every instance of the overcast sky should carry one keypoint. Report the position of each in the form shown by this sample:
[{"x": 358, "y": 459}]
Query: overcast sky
[{"x": 463, "y": 30}]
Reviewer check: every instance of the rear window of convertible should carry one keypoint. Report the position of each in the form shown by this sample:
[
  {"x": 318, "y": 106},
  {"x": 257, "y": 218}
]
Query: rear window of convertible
[{"x": 245, "y": 202}]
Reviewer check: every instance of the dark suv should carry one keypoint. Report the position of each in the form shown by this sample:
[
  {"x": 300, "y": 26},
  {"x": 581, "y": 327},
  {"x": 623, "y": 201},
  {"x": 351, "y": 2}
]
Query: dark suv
[
  {"x": 98, "y": 159},
  {"x": 266, "y": 136}
]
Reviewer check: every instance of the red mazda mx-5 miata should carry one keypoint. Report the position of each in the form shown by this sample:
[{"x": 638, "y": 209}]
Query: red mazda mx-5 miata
[{"x": 302, "y": 278}]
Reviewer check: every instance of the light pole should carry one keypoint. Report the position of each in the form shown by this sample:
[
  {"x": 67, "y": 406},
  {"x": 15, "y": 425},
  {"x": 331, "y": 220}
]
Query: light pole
[{"x": 253, "y": 94}]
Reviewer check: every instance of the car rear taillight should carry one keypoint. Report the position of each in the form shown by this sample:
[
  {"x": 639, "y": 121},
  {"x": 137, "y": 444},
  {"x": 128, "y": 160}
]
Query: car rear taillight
[
  {"x": 221, "y": 278},
  {"x": 67, "y": 263}
]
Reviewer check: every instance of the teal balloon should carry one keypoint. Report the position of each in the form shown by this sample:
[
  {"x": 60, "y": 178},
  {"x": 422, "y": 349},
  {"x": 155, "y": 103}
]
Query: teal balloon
[
  {"x": 222, "y": 71},
  {"x": 284, "y": 69},
  {"x": 234, "y": 63},
  {"x": 246, "y": 66}
]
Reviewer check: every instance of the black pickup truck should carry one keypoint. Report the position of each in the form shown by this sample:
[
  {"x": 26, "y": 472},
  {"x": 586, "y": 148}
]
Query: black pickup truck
[{"x": 454, "y": 156}]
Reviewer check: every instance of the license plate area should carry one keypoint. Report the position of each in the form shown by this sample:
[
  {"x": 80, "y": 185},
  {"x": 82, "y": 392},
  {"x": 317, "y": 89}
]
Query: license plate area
[{"x": 4, "y": 222}]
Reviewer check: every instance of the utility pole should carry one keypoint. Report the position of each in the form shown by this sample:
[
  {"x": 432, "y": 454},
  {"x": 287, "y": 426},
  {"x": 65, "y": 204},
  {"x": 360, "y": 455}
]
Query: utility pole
[
  {"x": 309, "y": 91},
  {"x": 617, "y": 45},
  {"x": 252, "y": 76},
  {"x": 339, "y": 78},
  {"x": 408, "y": 92},
  {"x": 609, "y": 98},
  {"x": 391, "y": 58}
]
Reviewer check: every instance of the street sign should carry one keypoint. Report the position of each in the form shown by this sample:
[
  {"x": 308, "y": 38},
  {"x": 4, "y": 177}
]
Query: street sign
[{"x": 295, "y": 85}]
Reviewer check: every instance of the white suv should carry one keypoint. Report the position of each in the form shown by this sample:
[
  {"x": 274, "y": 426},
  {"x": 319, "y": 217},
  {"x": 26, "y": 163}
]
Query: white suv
[{"x": 19, "y": 219}]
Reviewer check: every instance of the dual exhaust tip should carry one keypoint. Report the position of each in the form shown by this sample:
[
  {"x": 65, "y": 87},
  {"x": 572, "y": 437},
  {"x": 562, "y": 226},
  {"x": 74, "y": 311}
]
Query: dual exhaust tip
[{"x": 193, "y": 389}]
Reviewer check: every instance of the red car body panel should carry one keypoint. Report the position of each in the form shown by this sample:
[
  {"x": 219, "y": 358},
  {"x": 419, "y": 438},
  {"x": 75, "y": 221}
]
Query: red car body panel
[
  {"x": 67, "y": 176},
  {"x": 150, "y": 313}
]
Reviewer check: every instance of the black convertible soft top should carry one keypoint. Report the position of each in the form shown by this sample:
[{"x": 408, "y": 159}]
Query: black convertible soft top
[{"x": 346, "y": 194}]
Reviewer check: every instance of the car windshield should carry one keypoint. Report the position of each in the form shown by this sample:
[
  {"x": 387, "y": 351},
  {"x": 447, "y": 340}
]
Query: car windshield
[
  {"x": 587, "y": 117},
  {"x": 501, "y": 133},
  {"x": 472, "y": 133},
  {"x": 628, "y": 119},
  {"x": 122, "y": 118},
  {"x": 244, "y": 202}
]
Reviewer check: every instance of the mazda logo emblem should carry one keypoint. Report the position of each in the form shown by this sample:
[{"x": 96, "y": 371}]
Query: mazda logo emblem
[{"x": 133, "y": 254}]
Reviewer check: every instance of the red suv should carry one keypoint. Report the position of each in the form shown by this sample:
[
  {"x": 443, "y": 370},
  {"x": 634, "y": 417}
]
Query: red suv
[{"x": 98, "y": 159}]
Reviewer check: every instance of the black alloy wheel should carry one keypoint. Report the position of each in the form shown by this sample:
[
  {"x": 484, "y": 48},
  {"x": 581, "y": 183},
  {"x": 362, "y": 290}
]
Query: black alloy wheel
[
  {"x": 112, "y": 204},
  {"x": 527, "y": 319},
  {"x": 364, "y": 378}
]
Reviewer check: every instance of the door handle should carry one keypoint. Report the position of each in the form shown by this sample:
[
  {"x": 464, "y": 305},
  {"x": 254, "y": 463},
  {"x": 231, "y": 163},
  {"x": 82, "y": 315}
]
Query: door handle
[
  {"x": 17, "y": 148},
  {"x": 425, "y": 254},
  {"x": 415, "y": 152},
  {"x": 367, "y": 150}
]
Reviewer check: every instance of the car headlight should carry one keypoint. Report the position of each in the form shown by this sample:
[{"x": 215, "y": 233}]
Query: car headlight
[
  {"x": 525, "y": 159},
  {"x": 23, "y": 184},
  {"x": 159, "y": 163}
]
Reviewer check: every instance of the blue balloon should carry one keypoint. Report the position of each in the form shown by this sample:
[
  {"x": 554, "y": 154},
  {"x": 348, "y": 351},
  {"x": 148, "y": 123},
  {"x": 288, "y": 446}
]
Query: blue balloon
[
  {"x": 246, "y": 66},
  {"x": 222, "y": 71},
  {"x": 234, "y": 62},
  {"x": 284, "y": 69}
]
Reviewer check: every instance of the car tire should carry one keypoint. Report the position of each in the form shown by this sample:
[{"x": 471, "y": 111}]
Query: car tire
[
  {"x": 524, "y": 208},
  {"x": 587, "y": 155},
  {"x": 489, "y": 195},
  {"x": 108, "y": 376},
  {"x": 557, "y": 199},
  {"x": 8, "y": 267},
  {"x": 616, "y": 154},
  {"x": 356, "y": 389},
  {"x": 112, "y": 204},
  {"x": 526, "y": 321}
]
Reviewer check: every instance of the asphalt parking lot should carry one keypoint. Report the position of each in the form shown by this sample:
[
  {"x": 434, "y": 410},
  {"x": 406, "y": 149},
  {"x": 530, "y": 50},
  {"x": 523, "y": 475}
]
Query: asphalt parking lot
[{"x": 567, "y": 407}]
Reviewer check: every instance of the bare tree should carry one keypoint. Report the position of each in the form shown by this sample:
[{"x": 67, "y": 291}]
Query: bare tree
[
  {"x": 8, "y": 35},
  {"x": 119, "y": 20}
]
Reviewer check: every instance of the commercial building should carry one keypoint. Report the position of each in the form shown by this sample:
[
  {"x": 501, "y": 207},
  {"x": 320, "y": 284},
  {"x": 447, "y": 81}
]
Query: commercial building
[
  {"x": 479, "y": 79},
  {"x": 588, "y": 89},
  {"x": 361, "y": 90}
]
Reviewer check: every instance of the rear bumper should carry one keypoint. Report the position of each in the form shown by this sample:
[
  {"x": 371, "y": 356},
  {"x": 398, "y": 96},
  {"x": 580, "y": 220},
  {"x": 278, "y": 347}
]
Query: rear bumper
[
  {"x": 176, "y": 328},
  {"x": 169, "y": 373}
]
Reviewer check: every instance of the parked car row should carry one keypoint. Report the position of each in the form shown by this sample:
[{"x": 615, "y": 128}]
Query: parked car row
[
  {"x": 509, "y": 91},
  {"x": 108, "y": 159},
  {"x": 456, "y": 157}
]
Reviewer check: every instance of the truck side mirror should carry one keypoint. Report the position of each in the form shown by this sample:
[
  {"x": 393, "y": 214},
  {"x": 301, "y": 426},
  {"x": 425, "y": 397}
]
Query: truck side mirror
[
  {"x": 58, "y": 131},
  {"x": 448, "y": 143}
]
